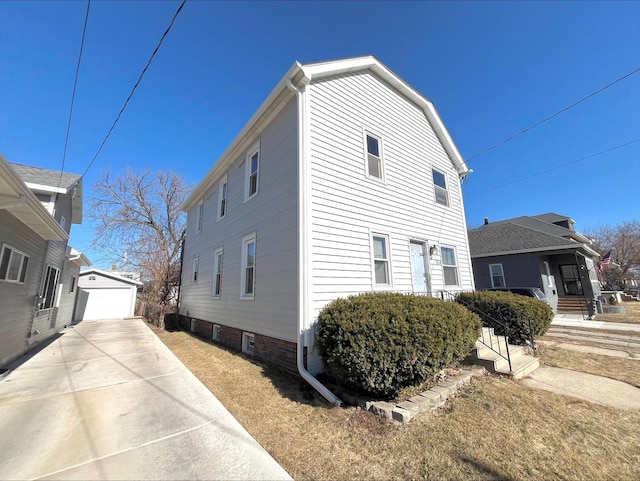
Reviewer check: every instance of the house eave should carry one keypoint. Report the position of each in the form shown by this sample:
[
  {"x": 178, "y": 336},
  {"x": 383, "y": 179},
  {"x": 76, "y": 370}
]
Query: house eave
[{"x": 566, "y": 248}]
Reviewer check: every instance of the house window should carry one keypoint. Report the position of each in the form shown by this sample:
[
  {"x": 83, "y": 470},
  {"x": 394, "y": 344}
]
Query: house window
[
  {"x": 381, "y": 260},
  {"x": 13, "y": 264},
  {"x": 215, "y": 332},
  {"x": 253, "y": 170},
  {"x": 222, "y": 199},
  {"x": 200, "y": 218},
  {"x": 248, "y": 266},
  {"x": 440, "y": 187},
  {"x": 72, "y": 286},
  {"x": 194, "y": 272},
  {"x": 497, "y": 275},
  {"x": 248, "y": 343},
  {"x": 217, "y": 273},
  {"x": 92, "y": 278},
  {"x": 48, "y": 288},
  {"x": 374, "y": 156},
  {"x": 63, "y": 222},
  {"x": 449, "y": 266}
]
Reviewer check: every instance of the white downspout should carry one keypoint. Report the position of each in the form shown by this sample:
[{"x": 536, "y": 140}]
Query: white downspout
[{"x": 302, "y": 254}]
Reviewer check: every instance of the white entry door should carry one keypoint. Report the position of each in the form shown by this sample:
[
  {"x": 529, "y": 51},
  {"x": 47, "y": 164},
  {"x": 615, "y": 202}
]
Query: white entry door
[{"x": 418, "y": 268}]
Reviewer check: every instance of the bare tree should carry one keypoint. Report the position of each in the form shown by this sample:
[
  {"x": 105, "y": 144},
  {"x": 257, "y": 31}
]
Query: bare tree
[
  {"x": 624, "y": 242},
  {"x": 138, "y": 221}
]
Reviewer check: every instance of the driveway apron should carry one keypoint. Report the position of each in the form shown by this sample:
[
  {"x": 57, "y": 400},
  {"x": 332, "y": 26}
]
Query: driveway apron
[{"x": 108, "y": 400}]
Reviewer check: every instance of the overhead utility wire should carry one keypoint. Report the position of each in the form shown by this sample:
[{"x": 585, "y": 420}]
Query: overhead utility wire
[
  {"x": 144, "y": 70},
  {"x": 555, "y": 168},
  {"x": 73, "y": 95},
  {"x": 554, "y": 115}
]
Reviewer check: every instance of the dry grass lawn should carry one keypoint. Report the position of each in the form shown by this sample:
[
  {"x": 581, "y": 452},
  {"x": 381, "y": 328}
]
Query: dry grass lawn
[
  {"x": 497, "y": 429},
  {"x": 631, "y": 316}
]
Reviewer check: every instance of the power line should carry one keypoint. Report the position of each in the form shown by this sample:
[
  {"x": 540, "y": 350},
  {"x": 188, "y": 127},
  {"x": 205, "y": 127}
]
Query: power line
[
  {"x": 555, "y": 168},
  {"x": 554, "y": 115},
  {"x": 73, "y": 95},
  {"x": 126, "y": 102}
]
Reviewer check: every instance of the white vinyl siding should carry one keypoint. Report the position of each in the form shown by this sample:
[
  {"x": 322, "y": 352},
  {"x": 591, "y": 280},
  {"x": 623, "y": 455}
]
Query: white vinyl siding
[
  {"x": 217, "y": 273},
  {"x": 440, "y": 187},
  {"x": 380, "y": 259},
  {"x": 248, "y": 274},
  {"x": 497, "y": 275},
  {"x": 222, "y": 198},
  {"x": 449, "y": 266},
  {"x": 253, "y": 172},
  {"x": 13, "y": 264}
]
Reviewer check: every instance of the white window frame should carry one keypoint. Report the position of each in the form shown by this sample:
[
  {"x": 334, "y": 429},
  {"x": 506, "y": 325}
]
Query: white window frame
[
  {"x": 386, "y": 260},
  {"x": 195, "y": 268},
  {"x": 218, "y": 266},
  {"x": 22, "y": 267},
  {"x": 547, "y": 269},
  {"x": 248, "y": 174},
  {"x": 215, "y": 332},
  {"x": 246, "y": 241},
  {"x": 200, "y": 215},
  {"x": 223, "y": 198},
  {"x": 248, "y": 343},
  {"x": 438, "y": 188},
  {"x": 504, "y": 281},
  {"x": 380, "y": 156},
  {"x": 47, "y": 288},
  {"x": 455, "y": 266}
]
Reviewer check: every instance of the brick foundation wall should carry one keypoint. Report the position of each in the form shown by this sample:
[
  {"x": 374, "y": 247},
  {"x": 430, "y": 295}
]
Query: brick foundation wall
[
  {"x": 204, "y": 329},
  {"x": 230, "y": 337}
]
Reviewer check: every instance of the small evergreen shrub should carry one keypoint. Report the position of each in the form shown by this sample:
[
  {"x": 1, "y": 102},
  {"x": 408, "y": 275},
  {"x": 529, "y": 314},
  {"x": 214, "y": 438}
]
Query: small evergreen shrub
[
  {"x": 381, "y": 342},
  {"x": 513, "y": 310}
]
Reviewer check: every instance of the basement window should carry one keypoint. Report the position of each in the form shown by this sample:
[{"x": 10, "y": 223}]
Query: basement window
[{"x": 248, "y": 343}]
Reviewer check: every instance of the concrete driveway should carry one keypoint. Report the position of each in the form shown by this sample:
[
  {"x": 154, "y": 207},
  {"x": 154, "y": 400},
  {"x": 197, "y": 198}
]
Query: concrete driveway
[{"x": 108, "y": 400}]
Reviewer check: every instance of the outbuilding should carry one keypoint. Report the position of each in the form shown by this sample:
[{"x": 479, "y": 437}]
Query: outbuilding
[{"x": 105, "y": 295}]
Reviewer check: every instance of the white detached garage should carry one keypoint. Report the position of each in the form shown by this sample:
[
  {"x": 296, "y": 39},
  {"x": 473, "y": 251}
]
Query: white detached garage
[{"x": 105, "y": 295}]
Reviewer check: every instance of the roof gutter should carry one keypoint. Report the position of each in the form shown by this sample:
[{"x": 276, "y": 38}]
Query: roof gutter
[
  {"x": 22, "y": 200},
  {"x": 302, "y": 254}
]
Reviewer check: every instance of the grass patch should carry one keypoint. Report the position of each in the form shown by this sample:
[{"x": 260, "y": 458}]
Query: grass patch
[
  {"x": 632, "y": 315},
  {"x": 626, "y": 370},
  {"x": 496, "y": 429}
]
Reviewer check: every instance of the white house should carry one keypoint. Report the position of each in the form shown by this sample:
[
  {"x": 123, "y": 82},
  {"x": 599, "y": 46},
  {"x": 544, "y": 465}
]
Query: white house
[{"x": 344, "y": 181}]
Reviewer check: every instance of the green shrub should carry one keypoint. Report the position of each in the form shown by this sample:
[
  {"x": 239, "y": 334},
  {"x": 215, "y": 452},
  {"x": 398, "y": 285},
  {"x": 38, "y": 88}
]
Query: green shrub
[
  {"x": 381, "y": 342},
  {"x": 520, "y": 314}
]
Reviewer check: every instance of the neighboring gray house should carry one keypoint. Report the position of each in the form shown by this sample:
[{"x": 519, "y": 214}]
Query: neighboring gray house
[
  {"x": 344, "y": 181},
  {"x": 105, "y": 295},
  {"x": 543, "y": 251},
  {"x": 38, "y": 270}
]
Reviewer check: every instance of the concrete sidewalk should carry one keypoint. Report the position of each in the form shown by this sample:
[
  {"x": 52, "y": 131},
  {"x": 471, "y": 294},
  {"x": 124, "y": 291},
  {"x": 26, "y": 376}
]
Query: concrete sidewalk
[
  {"x": 108, "y": 400},
  {"x": 576, "y": 320}
]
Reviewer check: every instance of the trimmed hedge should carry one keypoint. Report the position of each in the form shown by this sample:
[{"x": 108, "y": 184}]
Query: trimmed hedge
[
  {"x": 381, "y": 342},
  {"x": 513, "y": 310}
]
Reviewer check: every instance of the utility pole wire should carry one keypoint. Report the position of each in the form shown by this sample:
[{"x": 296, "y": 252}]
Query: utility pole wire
[
  {"x": 554, "y": 115},
  {"x": 555, "y": 168},
  {"x": 144, "y": 70},
  {"x": 73, "y": 95}
]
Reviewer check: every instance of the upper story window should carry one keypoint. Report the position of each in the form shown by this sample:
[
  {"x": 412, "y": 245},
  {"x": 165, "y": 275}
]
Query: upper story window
[
  {"x": 47, "y": 201},
  {"x": 440, "y": 188},
  {"x": 217, "y": 273},
  {"x": 222, "y": 198},
  {"x": 381, "y": 260},
  {"x": 13, "y": 264},
  {"x": 194, "y": 270},
  {"x": 449, "y": 266},
  {"x": 200, "y": 218},
  {"x": 248, "y": 274},
  {"x": 253, "y": 172},
  {"x": 497, "y": 275},
  {"x": 374, "y": 156},
  {"x": 63, "y": 222}
]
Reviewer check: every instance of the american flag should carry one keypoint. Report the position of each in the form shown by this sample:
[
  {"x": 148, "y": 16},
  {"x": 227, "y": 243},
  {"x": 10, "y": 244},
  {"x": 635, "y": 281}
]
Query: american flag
[{"x": 606, "y": 260}]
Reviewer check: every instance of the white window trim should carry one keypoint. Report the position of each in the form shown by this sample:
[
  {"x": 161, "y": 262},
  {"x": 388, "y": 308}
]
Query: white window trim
[
  {"x": 246, "y": 240},
  {"x": 195, "y": 270},
  {"x": 389, "y": 284},
  {"x": 20, "y": 267},
  {"x": 215, "y": 332},
  {"x": 218, "y": 254},
  {"x": 200, "y": 215},
  {"x": 254, "y": 150},
  {"x": 370, "y": 133},
  {"x": 443, "y": 265},
  {"x": 547, "y": 268},
  {"x": 246, "y": 345},
  {"x": 222, "y": 183},
  {"x": 504, "y": 281},
  {"x": 43, "y": 288},
  {"x": 446, "y": 189}
]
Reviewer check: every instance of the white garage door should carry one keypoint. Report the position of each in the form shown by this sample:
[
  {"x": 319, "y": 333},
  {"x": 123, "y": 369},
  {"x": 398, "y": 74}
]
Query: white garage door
[{"x": 109, "y": 303}]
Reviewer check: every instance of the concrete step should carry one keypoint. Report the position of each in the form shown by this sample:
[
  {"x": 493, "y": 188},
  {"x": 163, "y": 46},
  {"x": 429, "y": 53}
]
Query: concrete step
[
  {"x": 501, "y": 347},
  {"x": 521, "y": 367},
  {"x": 493, "y": 356}
]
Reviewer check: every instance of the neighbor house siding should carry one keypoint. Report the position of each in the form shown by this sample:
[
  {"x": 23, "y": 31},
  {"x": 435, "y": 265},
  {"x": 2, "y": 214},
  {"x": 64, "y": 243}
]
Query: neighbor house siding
[
  {"x": 347, "y": 206},
  {"x": 520, "y": 270},
  {"x": 272, "y": 215},
  {"x": 17, "y": 299}
]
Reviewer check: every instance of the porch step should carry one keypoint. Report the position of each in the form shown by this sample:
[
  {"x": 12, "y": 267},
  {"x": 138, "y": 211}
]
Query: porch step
[
  {"x": 572, "y": 304},
  {"x": 491, "y": 352}
]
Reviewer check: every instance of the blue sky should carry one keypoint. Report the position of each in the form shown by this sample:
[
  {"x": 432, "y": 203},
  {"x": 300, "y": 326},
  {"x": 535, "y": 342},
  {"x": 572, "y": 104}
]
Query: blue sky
[{"x": 491, "y": 69}]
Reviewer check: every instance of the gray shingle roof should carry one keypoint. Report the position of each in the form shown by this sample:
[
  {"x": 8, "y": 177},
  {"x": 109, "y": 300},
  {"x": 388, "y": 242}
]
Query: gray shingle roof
[
  {"x": 50, "y": 178},
  {"x": 504, "y": 237},
  {"x": 552, "y": 217}
]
